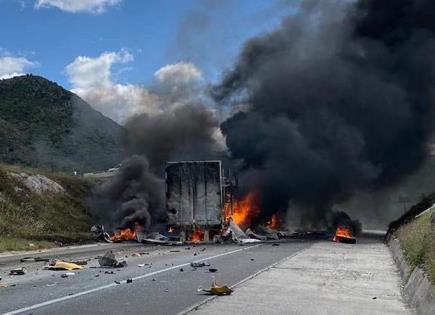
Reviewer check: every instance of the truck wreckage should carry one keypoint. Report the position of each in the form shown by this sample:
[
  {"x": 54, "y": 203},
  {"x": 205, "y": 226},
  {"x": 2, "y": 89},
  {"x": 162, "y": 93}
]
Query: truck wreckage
[{"x": 202, "y": 205}]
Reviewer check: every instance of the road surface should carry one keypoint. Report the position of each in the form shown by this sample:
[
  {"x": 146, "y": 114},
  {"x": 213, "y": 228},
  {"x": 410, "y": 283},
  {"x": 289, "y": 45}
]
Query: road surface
[{"x": 165, "y": 285}]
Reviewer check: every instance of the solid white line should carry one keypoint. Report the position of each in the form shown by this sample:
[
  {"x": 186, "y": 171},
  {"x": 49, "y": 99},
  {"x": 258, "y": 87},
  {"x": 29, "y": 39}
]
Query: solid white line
[
  {"x": 195, "y": 306},
  {"x": 72, "y": 296}
]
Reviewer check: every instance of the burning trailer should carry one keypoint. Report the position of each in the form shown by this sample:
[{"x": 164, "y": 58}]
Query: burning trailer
[
  {"x": 203, "y": 204},
  {"x": 194, "y": 199}
]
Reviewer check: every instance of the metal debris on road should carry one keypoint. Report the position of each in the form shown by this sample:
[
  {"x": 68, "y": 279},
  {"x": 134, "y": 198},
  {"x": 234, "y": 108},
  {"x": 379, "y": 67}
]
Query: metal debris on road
[
  {"x": 34, "y": 259},
  {"x": 18, "y": 272},
  {"x": 129, "y": 281},
  {"x": 109, "y": 261},
  {"x": 199, "y": 264},
  {"x": 67, "y": 274},
  {"x": 212, "y": 269}
]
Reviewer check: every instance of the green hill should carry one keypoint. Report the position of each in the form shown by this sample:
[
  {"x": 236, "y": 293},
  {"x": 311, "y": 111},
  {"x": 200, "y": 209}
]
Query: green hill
[
  {"x": 41, "y": 209},
  {"x": 43, "y": 125}
]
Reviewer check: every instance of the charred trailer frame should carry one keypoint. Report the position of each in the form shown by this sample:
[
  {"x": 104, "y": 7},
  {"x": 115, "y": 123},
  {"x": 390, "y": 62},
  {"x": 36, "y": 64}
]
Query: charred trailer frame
[{"x": 194, "y": 197}]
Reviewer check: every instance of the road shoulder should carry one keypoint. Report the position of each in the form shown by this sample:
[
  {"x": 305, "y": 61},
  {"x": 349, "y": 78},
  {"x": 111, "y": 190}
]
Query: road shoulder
[{"x": 327, "y": 278}]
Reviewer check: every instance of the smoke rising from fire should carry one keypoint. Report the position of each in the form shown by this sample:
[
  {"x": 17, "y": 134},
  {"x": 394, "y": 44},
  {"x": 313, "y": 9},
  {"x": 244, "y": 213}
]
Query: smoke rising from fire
[
  {"x": 182, "y": 128},
  {"x": 186, "y": 132},
  {"x": 134, "y": 195},
  {"x": 340, "y": 100}
]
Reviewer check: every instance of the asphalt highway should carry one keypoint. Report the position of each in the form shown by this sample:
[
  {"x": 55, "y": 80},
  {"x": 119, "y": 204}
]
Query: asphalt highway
[{"x": 163, "y": 282}]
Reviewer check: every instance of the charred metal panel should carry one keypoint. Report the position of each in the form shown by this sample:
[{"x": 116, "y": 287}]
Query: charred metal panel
[{"x": 194, "y": 193}]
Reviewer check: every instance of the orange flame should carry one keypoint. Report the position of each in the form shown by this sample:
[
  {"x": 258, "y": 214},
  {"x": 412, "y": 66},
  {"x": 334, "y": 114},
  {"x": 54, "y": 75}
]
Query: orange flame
[
  {"x": 244, "y": 210},
  {"x": 125, "y": 234},
  {"x": 342, "y": 232},
  {"x": 274, "y": 222},
  {"x": 197, "y": 236}
]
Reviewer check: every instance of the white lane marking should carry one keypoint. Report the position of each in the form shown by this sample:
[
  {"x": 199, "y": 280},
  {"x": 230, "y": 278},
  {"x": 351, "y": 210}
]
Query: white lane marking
[
  {"x": 195, "y": 306},
  {"x": 72, "y": 296}
]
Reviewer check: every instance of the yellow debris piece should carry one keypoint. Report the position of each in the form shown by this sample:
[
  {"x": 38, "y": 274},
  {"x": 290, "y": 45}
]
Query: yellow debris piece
[
  {"x": 216, "y": 289},
  {"x": 63, "y": 265}
]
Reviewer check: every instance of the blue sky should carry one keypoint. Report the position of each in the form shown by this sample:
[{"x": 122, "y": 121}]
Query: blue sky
[
  {"x": 151, "y": 30},
  {"x": 110, "y": 51}
]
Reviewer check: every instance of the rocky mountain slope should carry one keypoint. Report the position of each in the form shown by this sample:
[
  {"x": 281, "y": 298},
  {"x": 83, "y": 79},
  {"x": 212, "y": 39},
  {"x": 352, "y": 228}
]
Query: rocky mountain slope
[{"x": 43, "y": 125}]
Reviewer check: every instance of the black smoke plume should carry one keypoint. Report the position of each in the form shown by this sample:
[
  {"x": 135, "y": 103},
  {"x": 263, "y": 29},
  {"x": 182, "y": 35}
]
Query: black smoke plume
[
  {"x": 339, "y": 100},
  {"x": 185, "y": 132},
  {"x": 135, "y": 194}
]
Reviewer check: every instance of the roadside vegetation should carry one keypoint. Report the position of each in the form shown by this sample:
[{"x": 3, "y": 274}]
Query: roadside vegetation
[
  {"x": 32, "y": 220},
  {"x": 417, "y": 239}
]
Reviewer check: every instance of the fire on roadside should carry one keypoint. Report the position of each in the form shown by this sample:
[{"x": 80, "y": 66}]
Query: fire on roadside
[
  {"x": 243, "y": 211},
  {"x": 274, "y": 223},
  {"x": 343, "y": 234},
  {"x": 126, "y": 234}
]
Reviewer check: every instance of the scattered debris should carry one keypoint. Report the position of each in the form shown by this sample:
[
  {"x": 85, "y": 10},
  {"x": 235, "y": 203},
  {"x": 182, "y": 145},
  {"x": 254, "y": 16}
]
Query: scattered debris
[
  {"x": 216, "y": 289},
  {"x": 67, "y": 274},
  {"x": 129, "y": 281},
  {"x": 141, "y": 265},
  {"x": 212, "y": 269},
  {"x": 199, "y": 264},
  {"x": 276, "y": 244},
  {"x": 252, "y": 259},
  {"x": 18, "y": 272},
  {"x": 34, "y": 259},
  {"x": 374, "y": 298},
  {"x": 117, "y": 282},
  {"x": 181, "y": 269},
  {"x": 248, "y": 241},
  {"x": 63, "y": 265},
  {"x": 136, "y": 255},
  {"x": 109, "y": 272},
  {"x": 155, "y": 238},
  {"x": 109, "y": 261},
  {"x": 100, "y": 234},
  {"x": 174, "y": 251},
  {"x": 251, "y": 234}
]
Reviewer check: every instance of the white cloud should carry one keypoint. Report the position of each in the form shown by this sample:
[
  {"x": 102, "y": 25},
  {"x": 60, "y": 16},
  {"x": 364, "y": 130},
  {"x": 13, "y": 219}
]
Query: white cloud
[
  {"x": 92, "y": 6},
  {"x": 178, "y": 73},
  {"x": 92, "y": 79},
  {"x": 14, "y": 66}
]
